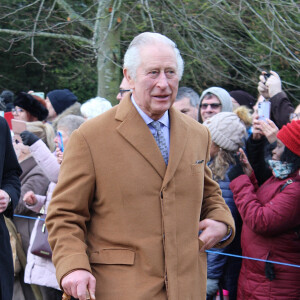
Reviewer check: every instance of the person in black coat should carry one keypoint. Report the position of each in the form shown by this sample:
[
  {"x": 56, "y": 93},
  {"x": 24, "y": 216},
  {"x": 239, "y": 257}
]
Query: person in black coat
[{"x": 9, "y": 197}]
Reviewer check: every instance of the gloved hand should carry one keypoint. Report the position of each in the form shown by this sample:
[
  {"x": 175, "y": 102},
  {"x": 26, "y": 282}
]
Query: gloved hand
[
  {"x": 236, "y": 170},
  {"x": 269, "y": 87},
  {"x": 274, "y": 84},
  {"x": 28, "y": 138},
  {"x": 212, "y": 286}
]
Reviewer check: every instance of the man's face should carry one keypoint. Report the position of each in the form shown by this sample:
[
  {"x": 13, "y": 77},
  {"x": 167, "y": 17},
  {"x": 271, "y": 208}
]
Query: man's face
[
  {"x": 124, "y": 89},
  {"x": 52, "y": 114},
  {"x": 156, "y": 83},
  {"x": 210, "y": 107},
  {"x": 184, "y": 105}
]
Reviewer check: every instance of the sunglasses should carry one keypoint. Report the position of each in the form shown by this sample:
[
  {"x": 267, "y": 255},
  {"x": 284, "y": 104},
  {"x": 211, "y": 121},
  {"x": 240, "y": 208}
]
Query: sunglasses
[
  {"x": 212, "y": 105},
  {"x": 294, "y": 116},
  {"x": 122, "y": 92}
]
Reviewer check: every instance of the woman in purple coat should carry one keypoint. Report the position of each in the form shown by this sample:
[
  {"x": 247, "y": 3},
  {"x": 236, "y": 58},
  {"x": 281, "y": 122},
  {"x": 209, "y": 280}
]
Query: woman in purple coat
[{"x": 271, "y": 223}]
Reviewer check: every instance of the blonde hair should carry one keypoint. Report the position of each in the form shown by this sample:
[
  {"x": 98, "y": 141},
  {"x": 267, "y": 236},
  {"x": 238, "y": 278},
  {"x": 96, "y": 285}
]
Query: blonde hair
[
  {"x": 44, "y": 131},
  {"x": 221, "y": 163}
]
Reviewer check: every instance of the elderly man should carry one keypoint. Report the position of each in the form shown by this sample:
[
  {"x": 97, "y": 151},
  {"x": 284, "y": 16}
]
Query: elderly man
[
  {"x": 9, "y": 197},
  {"x": 124, "y": 223},
  {"x": 124, "y": 89},
  {"x": 187, "y": 101}
]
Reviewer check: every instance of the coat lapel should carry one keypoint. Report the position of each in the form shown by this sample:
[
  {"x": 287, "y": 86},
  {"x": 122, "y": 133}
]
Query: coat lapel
[
  {"x": 136, "y": 132},
  {"x": 178, "y": 140}
]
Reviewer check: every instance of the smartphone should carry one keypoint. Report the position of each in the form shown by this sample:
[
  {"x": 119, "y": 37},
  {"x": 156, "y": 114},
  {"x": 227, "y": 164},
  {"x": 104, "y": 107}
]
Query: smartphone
[
  {"x": 39, "y": 94},
  {"x": 264, "y": 109},
  {"x": 18, "y": 126},
  {"x": 267, "y": 75},
  {"x": 60, "y": 141}
]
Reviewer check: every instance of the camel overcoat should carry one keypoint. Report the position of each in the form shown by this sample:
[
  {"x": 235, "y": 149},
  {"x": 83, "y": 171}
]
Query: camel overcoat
[{"x": 120, "y": 213}]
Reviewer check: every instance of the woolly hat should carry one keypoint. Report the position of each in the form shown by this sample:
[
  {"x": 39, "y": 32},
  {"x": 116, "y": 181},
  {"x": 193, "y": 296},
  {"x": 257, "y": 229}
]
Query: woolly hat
[
  {"x": 227, "y": 130},
  {"x": 61, "y": 99},
  {"x": 94, "y": 107},
  {"x": 7, "y": 97},
  {"x": 243, "y": 98},
  {"x": 32, "y": 104},
  {"x": 289, "y": 135},
  {"x": 223, "y": 96}
]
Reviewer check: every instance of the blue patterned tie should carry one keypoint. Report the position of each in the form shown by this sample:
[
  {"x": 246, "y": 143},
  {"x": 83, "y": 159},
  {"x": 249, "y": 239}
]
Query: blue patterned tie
[{"x": 160, "y": 140}]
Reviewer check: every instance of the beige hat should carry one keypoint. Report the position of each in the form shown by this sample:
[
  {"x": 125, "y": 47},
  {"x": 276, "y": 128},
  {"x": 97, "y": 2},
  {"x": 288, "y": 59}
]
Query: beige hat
[{"x": 227, "y": 130}]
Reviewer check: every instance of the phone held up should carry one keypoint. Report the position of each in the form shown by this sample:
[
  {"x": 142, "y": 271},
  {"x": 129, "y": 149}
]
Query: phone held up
[
  {"x": 264, "y": 109},
  {"x": 60, "y": 141}
]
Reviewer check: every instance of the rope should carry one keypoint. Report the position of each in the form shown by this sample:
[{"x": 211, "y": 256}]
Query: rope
[{"x": 207, "y": 251}]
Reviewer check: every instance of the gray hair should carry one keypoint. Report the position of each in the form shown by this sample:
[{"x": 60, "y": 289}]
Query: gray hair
[
  {"x": 69, "y": 123},
  {"x": 132, "y": 55},
  {"x": 188, "y": 93}
]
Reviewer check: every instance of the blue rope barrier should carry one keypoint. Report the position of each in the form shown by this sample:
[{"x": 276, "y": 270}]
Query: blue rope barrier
[
  {"x": 252, "y": 258},
  {"x": 27, "y": 217},
  {"x": 207, "y": 251}
]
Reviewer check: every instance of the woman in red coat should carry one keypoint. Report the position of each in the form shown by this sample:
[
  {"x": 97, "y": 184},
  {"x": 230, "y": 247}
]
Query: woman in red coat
[{"x": 271, "y": 222}]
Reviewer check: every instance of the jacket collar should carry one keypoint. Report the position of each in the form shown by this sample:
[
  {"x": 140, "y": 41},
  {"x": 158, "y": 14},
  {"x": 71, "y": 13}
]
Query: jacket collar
[{"x": 136, "y": 132}]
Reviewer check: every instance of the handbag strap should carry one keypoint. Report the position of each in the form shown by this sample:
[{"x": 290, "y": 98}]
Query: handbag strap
[{"x": 288, "y": 182}]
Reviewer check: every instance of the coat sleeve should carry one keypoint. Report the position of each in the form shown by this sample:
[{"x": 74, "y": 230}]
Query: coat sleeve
[
  {"x": 11, "y": 170},
  {"x": 280, "y": 214},
  {"x": 281, "y": 108},
  {"x": 46, "y": 160},
  {"x": 68, "y": 210},
  {"x": 36, "y": 182}
]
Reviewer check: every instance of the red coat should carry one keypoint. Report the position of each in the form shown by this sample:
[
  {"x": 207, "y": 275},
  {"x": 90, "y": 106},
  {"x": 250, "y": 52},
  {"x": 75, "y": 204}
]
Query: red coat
[{"x": 271, "y": 220}]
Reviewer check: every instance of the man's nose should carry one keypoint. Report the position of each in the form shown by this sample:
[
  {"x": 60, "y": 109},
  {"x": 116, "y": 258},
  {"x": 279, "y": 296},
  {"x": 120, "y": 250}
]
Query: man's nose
[{"x": 162, "y": 80}]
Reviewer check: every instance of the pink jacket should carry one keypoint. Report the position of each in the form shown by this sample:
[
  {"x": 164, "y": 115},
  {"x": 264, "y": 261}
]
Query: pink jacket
[{"x": 41, "y": 271}]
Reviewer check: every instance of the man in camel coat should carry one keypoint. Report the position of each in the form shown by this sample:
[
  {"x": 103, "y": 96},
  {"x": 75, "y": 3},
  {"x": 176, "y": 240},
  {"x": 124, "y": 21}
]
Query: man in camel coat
[{"x": 125, "y": 224}]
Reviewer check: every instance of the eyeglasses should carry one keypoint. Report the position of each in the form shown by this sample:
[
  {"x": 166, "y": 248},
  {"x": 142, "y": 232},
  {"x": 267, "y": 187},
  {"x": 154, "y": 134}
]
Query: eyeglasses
[
  {"x": 294, "y": 116},
  {"x": 212, "y": 105},
  {"x": 16, "y": 111},
  {"x": 122, "y": 92}
]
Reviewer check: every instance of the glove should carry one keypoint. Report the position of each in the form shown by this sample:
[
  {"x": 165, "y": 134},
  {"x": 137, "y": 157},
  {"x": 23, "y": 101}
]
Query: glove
[
  {"x": 236, "y": 170},
  {"x": 274, "y": 84},
  {"x": 212, "y": 286},
  {"x": 28, "y": 138}
]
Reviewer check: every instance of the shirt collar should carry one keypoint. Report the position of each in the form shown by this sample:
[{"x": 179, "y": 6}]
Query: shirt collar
[{"x": 164, "y": 119}]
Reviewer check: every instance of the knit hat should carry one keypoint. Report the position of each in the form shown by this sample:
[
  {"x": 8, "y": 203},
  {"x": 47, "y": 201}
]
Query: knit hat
[
  {"x": 94, "y": 107},
  {"x": 243, "y": 98},
  {"x": 289, "y": 135},
  {"x": 32, "y": 104},
  {"x": 223, "y": 96},
  {"x": 227, "y": 130},
  {"x": 61, "y": 99}
]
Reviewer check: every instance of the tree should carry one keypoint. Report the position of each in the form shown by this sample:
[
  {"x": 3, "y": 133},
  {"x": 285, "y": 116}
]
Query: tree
[{"x": 224, "y": 43}]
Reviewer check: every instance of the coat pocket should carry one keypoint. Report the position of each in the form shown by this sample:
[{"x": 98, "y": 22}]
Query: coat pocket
[
  {"x": 198, "y": 167},
  {"x": 113, "y": 257}
]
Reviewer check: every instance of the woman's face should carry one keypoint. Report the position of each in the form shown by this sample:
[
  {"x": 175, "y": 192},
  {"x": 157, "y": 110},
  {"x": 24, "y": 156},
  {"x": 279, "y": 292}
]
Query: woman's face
[
  {"x": 277, "y": 152},
  {"x": 20, "y": 114}
]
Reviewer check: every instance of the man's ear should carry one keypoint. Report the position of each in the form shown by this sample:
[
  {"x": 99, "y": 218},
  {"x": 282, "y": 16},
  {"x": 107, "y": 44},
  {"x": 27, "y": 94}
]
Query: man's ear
[{"x": 129, "y": 79}]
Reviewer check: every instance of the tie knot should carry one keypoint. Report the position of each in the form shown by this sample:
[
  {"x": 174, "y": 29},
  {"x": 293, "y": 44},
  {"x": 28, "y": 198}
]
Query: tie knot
[{"x": 156, "y": 125}]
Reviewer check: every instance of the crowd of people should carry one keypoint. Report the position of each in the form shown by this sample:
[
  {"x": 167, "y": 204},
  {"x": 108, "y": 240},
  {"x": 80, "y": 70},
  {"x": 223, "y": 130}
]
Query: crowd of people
[{"x": 133, "y": 195}]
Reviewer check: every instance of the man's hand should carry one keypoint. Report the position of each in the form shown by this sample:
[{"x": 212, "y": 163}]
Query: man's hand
[
  {"x": 30, "y": 198},
  {"x": 78, "y": 282},
  {"x": 4, "y": 201},
  {"x": 212, "y": 233}
]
